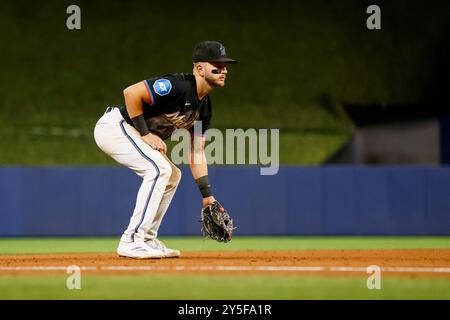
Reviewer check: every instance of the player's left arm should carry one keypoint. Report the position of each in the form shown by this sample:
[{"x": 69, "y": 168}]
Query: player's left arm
[{"x": 199, "y": 169}]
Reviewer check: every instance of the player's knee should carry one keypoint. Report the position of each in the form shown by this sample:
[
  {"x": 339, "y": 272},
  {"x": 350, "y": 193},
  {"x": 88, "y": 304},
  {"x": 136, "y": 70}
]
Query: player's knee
[
  {"x": 176, "y": 175},
  {"x": 165, "y": 170}
]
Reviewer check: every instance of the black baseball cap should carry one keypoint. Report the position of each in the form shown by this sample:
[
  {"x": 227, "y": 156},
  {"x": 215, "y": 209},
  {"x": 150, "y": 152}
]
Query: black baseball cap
[{"x": 210, "y": 51}]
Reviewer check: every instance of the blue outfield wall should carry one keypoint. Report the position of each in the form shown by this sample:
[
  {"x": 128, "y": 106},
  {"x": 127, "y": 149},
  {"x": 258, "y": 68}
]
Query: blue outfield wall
[{"x": 327, "y": 200}]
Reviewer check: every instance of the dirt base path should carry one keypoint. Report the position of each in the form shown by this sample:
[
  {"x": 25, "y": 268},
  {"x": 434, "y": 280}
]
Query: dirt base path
[{"x": 411, "y": 263}]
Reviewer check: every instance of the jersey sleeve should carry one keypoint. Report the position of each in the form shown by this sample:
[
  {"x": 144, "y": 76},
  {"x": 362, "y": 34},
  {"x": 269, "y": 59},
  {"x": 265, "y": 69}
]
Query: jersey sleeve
[{"x": 164, "y": 91}]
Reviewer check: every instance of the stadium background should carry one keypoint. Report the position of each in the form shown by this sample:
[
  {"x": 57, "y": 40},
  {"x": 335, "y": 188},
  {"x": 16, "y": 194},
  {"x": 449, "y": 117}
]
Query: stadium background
[{"x": 299, "y": 64}]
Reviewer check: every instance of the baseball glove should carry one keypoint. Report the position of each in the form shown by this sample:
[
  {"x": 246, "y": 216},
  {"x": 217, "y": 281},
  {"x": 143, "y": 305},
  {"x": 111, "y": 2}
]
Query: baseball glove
[{"x": 216, "y": 222}]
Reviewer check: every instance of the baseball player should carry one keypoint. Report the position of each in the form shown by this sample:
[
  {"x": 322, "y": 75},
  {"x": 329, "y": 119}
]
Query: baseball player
[{"x": 134, "y": 134}]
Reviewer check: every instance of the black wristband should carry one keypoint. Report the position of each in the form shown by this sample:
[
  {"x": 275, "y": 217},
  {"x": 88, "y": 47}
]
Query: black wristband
[
  {"x": 204, "y": 186},
  {"x": 140, "y": 125}
]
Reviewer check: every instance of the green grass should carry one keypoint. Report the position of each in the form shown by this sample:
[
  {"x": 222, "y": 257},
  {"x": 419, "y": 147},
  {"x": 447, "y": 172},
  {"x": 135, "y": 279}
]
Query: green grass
[
  {"x": 10, "y": 246},
  {"x": 175, "y": 286},
  {"x": 171, "y": 287}
]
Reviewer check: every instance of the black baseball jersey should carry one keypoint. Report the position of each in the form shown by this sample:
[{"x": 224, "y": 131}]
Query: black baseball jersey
[{"x": 173, "y": 105}]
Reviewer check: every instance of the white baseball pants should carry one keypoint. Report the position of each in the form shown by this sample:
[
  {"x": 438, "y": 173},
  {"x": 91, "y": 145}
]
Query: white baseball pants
[{"x": 160, "y": 176}]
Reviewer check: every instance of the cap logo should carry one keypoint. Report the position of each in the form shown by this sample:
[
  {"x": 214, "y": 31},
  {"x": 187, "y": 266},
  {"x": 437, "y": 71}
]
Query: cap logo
[
  {"x": 162, "y": 87},
  {"x": 222, "y": 51}
]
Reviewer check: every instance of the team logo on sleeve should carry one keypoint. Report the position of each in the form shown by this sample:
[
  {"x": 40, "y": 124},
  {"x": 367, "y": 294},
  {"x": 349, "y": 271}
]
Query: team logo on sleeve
[{"x": 162, "y": 87}]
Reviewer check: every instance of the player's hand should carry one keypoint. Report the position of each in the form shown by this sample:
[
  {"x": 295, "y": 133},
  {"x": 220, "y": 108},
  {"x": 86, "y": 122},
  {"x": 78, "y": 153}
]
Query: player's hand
[
  {"x": 155, "y": 142},
  {"x": 208, "y": 201}
]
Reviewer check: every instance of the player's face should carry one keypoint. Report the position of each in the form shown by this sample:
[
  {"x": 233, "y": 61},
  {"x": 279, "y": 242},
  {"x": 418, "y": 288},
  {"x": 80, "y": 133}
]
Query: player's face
[{"x": 216, "y": 73}]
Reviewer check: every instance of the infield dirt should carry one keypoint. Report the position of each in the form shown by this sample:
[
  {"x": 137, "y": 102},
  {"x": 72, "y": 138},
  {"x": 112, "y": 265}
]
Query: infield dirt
[{"x": 410, "y": 263}]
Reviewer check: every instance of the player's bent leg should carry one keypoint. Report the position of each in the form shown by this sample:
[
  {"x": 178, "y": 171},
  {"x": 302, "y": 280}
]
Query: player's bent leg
[
  {"x": 166, "y": 200},
  {"x": 171, "y": 188},
  {"x": 147, "y": 203},
  {"x": 124, "y": 144},
  {"x": 149, "y": 196},
  {"x": 156, "y": 172}
]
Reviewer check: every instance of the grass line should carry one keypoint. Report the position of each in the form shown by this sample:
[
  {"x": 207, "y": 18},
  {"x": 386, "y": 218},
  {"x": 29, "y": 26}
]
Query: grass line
[{"x": 9, "y": 246}]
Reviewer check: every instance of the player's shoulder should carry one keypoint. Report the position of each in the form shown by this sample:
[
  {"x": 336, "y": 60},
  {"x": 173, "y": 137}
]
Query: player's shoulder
[
  {"x": 175, "y": 77},
  {"x": 173, "y": 81}
]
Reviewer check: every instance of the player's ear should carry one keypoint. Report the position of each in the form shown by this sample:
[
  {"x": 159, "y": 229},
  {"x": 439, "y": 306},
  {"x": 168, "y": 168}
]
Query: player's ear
[{"x": 199, "y": 68}]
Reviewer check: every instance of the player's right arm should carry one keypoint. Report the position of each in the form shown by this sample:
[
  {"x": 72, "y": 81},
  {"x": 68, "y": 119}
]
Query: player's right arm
[{"x": 135, "y": 97}]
